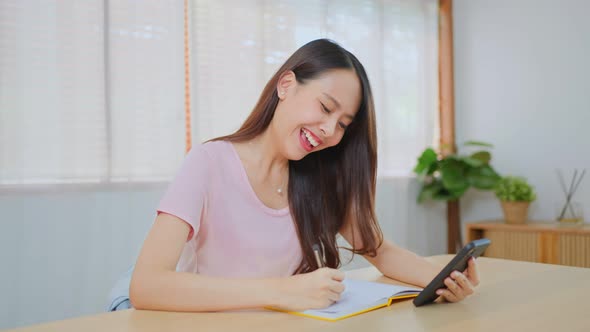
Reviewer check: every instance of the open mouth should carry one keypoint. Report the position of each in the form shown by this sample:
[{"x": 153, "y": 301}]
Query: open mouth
[{"x": 308, "y": 140}]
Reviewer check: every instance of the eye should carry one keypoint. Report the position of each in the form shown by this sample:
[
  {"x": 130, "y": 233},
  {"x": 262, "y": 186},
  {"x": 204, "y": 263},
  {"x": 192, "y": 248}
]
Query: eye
[
  {"x": 342, "y": 125},
  {"x": 325, "y": 109}
]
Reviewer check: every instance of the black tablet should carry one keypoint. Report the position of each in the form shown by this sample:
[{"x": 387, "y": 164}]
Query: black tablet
[{"x": 458, "y": 263}]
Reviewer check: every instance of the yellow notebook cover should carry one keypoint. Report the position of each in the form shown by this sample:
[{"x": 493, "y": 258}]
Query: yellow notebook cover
[{"x": 359, "y": 296}]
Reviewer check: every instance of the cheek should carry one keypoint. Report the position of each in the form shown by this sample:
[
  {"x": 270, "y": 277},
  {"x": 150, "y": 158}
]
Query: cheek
[
  {"x": 308, "y": 116},
  {"x": 308, "y": 111},
  {"x": 285, "y": 118},
  {"x": 297, "y": 115}
]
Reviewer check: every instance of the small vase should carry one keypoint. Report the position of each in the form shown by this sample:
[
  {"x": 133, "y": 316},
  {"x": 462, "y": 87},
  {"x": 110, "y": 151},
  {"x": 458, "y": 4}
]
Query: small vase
[
  {"x": 515, "y": 212},
  {"x": 572, "y": 213}
]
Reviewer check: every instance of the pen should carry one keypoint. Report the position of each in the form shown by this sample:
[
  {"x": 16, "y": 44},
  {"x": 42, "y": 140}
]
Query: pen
[{"x": 316, "y": 252}]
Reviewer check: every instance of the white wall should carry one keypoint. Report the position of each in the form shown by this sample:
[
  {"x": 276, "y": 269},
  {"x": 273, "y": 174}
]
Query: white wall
[
  {"x": 62, "y": 252},
  {"x": 522, "y": 72}
]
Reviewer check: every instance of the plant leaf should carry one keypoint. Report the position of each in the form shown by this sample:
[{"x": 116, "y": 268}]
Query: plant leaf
[
  {"x": 478, "y": 143},
  {"x": 514, "y": 188},
  {"x": 425, "y": 161},
  {"x": 457, "y": 193},
  {"x": 450, "y": 177},
  {"x": 433, "y": 168},
  {"x": 484, "y": 178},
  {"x": 453, "y": 175},
  {"x": 483, "y": 156},
  {"x": 473, "y": 162},
  {"x": 429, "y": 191}
]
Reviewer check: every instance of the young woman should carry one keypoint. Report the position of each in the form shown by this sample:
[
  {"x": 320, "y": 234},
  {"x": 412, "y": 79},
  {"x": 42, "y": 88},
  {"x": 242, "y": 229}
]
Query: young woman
[{"x": 237, "y": 226}]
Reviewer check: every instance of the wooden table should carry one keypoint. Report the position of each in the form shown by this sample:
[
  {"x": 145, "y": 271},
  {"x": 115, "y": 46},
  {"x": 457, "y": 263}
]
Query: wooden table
[{"x": 512, "y": 296}]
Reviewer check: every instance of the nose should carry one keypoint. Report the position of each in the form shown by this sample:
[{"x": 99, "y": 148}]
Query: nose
[{"x": 328, "y": 127}]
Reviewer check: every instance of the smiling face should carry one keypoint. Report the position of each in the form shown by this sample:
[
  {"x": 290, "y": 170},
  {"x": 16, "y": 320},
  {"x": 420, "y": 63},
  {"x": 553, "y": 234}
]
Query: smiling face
[{"x": 313, "y": 116}]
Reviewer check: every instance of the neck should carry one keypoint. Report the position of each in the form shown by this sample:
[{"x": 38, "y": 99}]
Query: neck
[{"x": 266, "y": 159}]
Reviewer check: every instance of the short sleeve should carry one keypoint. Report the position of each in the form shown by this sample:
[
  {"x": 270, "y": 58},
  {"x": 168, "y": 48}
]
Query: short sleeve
[{"x": 186, "y": 196}]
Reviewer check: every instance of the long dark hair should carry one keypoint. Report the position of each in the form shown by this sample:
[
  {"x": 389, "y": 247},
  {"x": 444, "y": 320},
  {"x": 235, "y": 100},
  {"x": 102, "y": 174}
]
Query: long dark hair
[{"x": 333, "y": 185}]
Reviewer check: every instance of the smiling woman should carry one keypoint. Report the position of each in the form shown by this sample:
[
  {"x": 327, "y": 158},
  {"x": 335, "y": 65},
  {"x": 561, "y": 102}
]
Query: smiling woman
[
  {"x": 226, "y": 237},
  {"x": 302, "y": 126}
]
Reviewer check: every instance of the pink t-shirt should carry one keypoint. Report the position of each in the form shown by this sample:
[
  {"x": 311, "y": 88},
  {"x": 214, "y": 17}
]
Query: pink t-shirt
[{"x": 233, "y": 233}]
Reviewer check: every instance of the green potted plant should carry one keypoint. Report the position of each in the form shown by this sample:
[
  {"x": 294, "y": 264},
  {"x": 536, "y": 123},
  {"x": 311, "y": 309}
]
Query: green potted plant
[
  {"x": 447, "y": 178},
  {"x": 515, "y": 195}
]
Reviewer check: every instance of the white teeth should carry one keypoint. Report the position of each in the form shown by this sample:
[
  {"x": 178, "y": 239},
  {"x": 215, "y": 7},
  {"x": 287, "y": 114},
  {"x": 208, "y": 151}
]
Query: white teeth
[{"x": 310, "y": 138}]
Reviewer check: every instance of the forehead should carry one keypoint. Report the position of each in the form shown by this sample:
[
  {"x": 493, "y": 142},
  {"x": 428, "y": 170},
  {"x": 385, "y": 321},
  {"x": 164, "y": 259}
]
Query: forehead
[{"x": 341, "y": 84}]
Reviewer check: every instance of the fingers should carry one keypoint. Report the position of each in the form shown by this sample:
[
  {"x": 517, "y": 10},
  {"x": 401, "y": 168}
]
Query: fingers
[
  {"x": 463, "y": 283},
  {"x": 334, "y": 297},
  {"x": 458, "y": 287},
  {"x": 335, "y": 290},
  {"x": 316, "y": 289},
  {"x": 452, "y": 286},
  {"x": 472, "y": 272},
  {"x": 453, "y": 293},
  {"x": 447, "y": 295},
  {"x": 338, "y": 275},
  {"x": 336, "y": 286},
  {"x": 332, "y": 283}
]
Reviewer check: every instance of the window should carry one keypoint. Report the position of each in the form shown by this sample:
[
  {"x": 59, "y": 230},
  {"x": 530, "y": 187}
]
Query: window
[
  {"x": 90, "y": 91},
  {"x": 93, "y": 91},
  {"x": 238, "y": 45}
]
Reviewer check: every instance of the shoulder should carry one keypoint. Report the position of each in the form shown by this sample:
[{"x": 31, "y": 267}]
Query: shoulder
[
  {"x": 208, "y": 151},
  {"x": 212, "y": 157},
  {"x": 214, "y": 148},
  {"x": 216, "y": 152}
]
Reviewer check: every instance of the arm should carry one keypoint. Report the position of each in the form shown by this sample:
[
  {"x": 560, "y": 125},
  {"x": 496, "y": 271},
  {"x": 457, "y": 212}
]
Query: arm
[
  {"x": 156, "y": 285},
  {"x": 403, "y": 265},
  {"x": 395, "y": 262}
]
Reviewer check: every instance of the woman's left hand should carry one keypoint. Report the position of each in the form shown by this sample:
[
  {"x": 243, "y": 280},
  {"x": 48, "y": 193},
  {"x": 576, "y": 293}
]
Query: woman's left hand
[{"x": 460, "y": 285}]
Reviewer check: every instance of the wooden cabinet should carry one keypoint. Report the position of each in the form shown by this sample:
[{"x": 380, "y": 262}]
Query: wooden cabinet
[{"x": 551, "y": 243}]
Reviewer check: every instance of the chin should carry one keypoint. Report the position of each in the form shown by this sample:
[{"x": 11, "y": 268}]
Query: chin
[
  {"x": 297, "y": 156},
  {"x": 298, "y": 153}
]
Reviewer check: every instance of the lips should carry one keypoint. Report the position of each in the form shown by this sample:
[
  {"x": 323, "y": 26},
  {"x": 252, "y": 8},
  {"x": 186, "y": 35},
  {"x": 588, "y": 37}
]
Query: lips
[
  {"x": 304, "y": 142},
  {"x": 311, "y": 137},
  {"x": 308, "y": 140}
]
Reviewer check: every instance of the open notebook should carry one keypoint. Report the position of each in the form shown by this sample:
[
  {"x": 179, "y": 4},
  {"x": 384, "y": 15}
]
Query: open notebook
[{"x": 358, "y": 297}]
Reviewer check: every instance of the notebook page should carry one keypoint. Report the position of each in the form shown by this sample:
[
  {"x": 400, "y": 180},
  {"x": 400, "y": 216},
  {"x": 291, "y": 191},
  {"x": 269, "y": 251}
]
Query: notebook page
[{"x": 357, "y": 296}]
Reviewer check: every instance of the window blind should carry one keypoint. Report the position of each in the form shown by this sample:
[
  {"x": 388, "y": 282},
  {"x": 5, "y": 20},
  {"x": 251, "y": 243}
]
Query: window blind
[
  {"x": 90, "y": 91},
  {"x": 237, "y": 46}
]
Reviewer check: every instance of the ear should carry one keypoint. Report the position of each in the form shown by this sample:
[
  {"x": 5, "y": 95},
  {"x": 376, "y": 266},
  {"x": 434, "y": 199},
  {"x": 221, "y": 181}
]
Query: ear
[{"x": 286, "y": 82}]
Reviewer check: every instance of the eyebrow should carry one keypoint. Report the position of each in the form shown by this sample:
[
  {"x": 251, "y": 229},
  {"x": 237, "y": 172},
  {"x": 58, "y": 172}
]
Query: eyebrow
[{"x": 351, "y": 117}]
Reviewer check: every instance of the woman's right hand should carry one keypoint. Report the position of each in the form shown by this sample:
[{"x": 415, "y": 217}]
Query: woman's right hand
[{"x": 313, "y": 290}]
